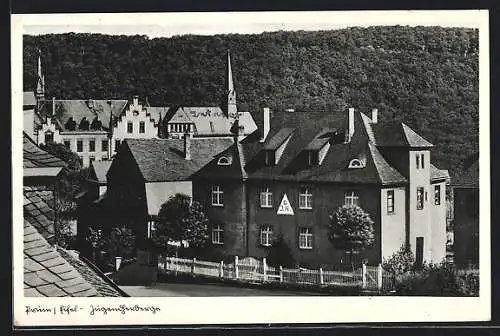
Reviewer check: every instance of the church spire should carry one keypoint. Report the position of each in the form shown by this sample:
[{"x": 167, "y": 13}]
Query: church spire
[
  {"x": 230, "y": 91},
  {"x": 40, "y": 85}
]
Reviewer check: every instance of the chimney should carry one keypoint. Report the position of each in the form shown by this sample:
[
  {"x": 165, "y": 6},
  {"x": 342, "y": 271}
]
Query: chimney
[
  {"x": 351, "y": 124},
  {"x": 187, "y": 146},
  {"x": 53, "y": 105},
  {"x": 267, "y": 123},
  {"x": 136, "y": 100},
  {"x": 374, "y": 115}
]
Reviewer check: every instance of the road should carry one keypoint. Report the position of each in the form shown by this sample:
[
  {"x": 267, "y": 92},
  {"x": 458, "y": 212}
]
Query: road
[{"x": 176, "y": 289}]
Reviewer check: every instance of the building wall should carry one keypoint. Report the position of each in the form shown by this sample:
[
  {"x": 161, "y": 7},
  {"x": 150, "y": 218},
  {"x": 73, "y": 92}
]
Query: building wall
[
  {"x": 135, "y": 113},
  {"x": 326, "y": 200},
  {"x": 232, "y": 215},
  {"x": 86, "y": 137},
  {"x": 48, "y": 126},
  {"x": 158, "y": 193},
  {"x": 420, "y": 220},
  {"x": 29, "y": 123},
  {"x": 466, "y": 226},
  {"x": 393, "y": 231},
  {"x": 438, "y": 224}
]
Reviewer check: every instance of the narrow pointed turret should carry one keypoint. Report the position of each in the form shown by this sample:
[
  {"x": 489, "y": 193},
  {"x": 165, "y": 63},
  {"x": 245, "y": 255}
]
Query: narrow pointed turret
[
  {"x": 40, "y": 85},
  {"x": 231, "y": 110}
]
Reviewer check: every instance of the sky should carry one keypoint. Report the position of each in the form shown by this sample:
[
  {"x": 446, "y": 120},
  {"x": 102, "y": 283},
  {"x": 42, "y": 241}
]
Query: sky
[{"x": 169, "y": 24}]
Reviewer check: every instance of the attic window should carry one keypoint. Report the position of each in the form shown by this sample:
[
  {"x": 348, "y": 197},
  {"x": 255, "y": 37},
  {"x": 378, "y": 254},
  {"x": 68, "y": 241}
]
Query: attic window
[
  {"x": 135, "y": 113},
  {"x": 224, "y": 161},
  {"x": 313, "y": 158},
  {"x": 269, "y": 158},
  {"x": 356, "y": 163}
]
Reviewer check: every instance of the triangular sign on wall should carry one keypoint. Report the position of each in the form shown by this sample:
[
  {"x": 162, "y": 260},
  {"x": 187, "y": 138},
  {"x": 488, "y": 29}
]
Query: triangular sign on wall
[{"x": 285, "y": 207}]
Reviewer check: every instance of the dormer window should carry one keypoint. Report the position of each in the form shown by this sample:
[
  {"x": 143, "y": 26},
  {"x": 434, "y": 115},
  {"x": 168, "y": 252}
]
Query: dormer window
[
  {"x": 356, "y": 163},
  {"x": 224, "y": 161},
  {"x": 313, "y": 158},
  {"x": 135, "y": 113},
  {"x": 269, "y": 158}
]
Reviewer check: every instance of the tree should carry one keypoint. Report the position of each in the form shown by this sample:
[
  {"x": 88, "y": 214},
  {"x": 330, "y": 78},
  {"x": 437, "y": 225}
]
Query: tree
[
  {"x": 181, "y": 219},
  {"x": 121, "y": 243},
  {"x": 280, "y": 254},
  {"x": 351, "y": 229}
]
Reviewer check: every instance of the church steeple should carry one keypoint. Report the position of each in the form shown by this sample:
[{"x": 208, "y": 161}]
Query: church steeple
[
  {"x": 230, "y": 91},
  {"x": 40, "y": 85}
]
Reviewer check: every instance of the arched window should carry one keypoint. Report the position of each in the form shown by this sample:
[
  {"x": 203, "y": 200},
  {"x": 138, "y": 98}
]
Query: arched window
[
  {"x": 224, "y": 161},
  {"x": 356, "y": 163}
]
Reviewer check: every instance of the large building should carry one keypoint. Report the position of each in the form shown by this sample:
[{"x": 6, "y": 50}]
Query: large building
[
  {"x": 94, "y": 128},
  {"x": 289, "y": 178},
  {"x": 466, "y": 214}
]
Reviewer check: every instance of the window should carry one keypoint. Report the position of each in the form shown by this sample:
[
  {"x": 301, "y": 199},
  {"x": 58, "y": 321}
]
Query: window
[
  {"x": 92, "y": 145},
  {"x": 356, "y": 163},
  {"x": 91, "y": 159},
  {"x": 49, "y": 137},
  {"x": 130, "y": 127},
  {"x": 351, "y": 197},
  {"x": 135, "y": 113},
  {"x": 224, "y": 161},
  {"x": 437, "y": 195},
  {"x": 79, "y": 146},
  {"x": 117, "y": 145},
  {"x": 390, "y": 201},
  {"x": 305, "y": 199},
  {"x": 420, "y": 198},
  {"x": 305, "y": 238},
  {"x": 218, "y": 234},
  {"x": 422, "y": 160},
  {"x": 266, "y": 198},
  {"x": 151, "y": 228},
  {"x": 142, "y": 127},
  {"x": 104, "y": 145},
  {"x": 266, "y": 234},
  {"x": 217, "y": 196},
  {"x": 67, "y": 144},
  {"x": 269, "y": 158},
  {"x": 418, "y": 160},
  {"x": 313, "y": 158}
]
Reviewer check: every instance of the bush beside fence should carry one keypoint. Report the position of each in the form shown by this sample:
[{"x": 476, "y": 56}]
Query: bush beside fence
[{"x": 367, "y": 277}]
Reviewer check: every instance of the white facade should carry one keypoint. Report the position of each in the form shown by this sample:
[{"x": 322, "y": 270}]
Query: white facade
[
  {"x": 134, "y": 123},
  {"x": 392, "y": 221},
  {"x": 90, "y": 146}
]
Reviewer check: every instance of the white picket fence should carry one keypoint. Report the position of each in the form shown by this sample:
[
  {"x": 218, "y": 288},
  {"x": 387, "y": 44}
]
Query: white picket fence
[{"x": 257, "y": 271}]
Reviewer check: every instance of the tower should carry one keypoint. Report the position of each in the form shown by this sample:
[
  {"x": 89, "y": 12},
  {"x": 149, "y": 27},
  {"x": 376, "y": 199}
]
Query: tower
[
  {"x": 40, "y": 85},
  {"x": 231, "y": 110}
]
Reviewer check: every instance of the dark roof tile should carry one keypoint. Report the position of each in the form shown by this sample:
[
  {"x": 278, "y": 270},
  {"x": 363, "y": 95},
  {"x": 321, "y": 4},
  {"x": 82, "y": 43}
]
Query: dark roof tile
[{"x": 163, "y": 159}]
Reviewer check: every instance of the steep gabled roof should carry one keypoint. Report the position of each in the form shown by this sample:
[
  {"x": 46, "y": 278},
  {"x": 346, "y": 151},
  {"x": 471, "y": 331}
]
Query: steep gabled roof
[
  {"x": 29, "y": 99},
  {"x": 34, "y": 157},
  {"x": 79, "y": 109},
  {"x": 469, "y": 177},
  {"x": 38, "y": 210},
  {"x": 100, "y": 169},
  {"x": 49, "y": 271},
  {"x": 274, "y": 141},
  {"x": 180, "y": 116},
  {"x": 439, "y": 174},
  {"x": 395, "y": 134},
  {"x": 156, "y": 112},
  {"x": 163, "y": 159}
]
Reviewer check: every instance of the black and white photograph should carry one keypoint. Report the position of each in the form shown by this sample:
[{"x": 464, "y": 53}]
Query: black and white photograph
[{"x": 303, "y": 159}]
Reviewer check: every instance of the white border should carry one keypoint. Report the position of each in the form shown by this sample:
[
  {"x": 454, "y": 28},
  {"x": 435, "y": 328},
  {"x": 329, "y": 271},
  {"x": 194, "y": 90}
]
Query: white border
[{"x": 218, "y": 310}]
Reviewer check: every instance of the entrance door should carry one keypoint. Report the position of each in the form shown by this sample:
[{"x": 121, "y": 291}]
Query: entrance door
[{"x": 419, "y": 254}]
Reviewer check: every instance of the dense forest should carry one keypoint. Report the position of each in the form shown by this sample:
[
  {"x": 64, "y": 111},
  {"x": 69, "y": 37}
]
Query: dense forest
[{"x": 424, "y": 76}]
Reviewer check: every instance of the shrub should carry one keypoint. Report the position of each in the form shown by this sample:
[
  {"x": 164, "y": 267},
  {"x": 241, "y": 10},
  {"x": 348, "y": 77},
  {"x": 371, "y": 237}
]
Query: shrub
[
  {"x": 400, "y": 262},
  {"x": 437, "y": 280},
  {"x": 280, "y": 254}
]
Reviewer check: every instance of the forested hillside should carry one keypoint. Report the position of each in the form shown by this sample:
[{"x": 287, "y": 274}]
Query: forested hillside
[{"x": 424, "y": 76}]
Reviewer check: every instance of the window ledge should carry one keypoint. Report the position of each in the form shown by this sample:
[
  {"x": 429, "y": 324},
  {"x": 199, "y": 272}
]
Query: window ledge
[
  {"x": 216, "y": 243},
  {"x": 305, "y": 208},
  {"x": 218, "y": 205},
  {"x": 305, "y": 248},
  {"x": 266, "y": 206}
]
